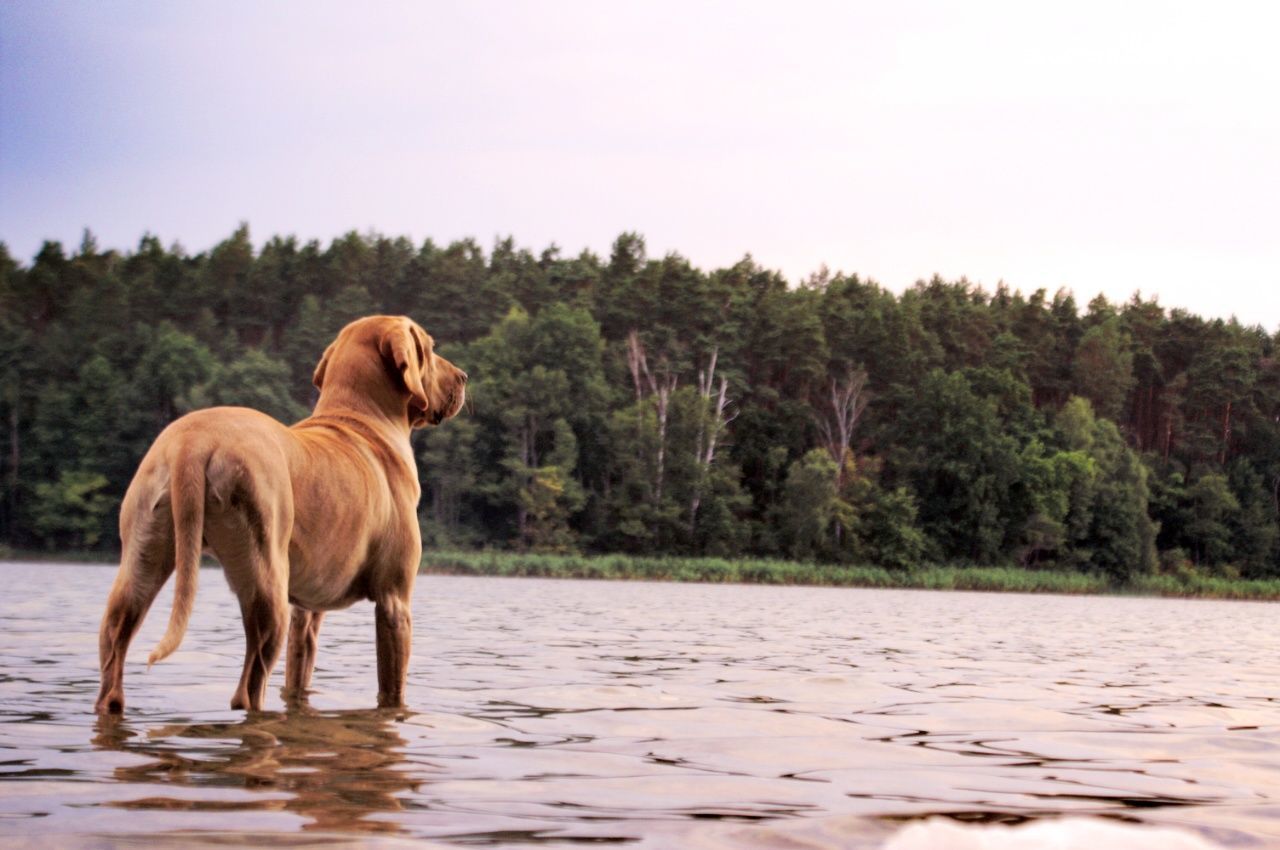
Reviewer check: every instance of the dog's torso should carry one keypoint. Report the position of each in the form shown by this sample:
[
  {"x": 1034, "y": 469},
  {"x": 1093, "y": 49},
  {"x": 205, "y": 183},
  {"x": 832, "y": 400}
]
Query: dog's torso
[
  {"x": 342, "y": 491},
  {"x": 370, "y": 509}
]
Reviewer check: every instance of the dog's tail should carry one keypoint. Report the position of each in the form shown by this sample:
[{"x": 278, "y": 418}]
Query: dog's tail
[{"x": 186, "y": 499}]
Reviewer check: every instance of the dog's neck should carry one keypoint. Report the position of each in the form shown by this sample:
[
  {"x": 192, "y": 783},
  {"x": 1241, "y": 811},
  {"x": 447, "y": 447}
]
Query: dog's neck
[
  {"x": 389, "y": 410},
  {"x": 368, "y": 413}
]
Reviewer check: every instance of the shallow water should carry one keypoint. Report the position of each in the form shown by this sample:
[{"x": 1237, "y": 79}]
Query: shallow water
[{"x": 556, "y": 713}]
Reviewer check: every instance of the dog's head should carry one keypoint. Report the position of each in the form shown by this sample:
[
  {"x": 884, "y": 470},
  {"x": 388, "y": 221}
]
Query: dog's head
[{"x": 390, "y": 361}]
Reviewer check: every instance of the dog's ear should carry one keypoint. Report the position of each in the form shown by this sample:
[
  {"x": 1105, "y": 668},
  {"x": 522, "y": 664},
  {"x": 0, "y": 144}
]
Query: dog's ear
[
  {"x": 317, "y": 377},
  {"x": 408, "y": 349}
]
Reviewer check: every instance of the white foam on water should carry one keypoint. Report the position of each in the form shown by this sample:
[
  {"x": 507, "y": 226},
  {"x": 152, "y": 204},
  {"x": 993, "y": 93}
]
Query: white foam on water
[{"x": 1058, "y": 834}]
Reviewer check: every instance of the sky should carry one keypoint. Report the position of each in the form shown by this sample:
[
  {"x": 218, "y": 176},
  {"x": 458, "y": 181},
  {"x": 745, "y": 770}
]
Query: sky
[{"x": 1099, "y": 146}]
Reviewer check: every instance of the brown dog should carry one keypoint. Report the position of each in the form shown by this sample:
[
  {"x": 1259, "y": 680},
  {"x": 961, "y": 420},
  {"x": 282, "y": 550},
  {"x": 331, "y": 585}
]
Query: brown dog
[{"x": 315, "y": 516}]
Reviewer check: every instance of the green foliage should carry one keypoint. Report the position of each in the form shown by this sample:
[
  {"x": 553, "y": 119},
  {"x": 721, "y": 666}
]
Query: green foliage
[
  {"x": 549, "y": 498},
  {"x": 642, "y": 405},
  {"x": 888, "y": 531},
  {"x": 1210, "y": 509},
  {"x": 1103, "y": 367},
  {"x": 254, "y": 379},
  {"x": 1255, "y": 525},
  {"x": 171, "y": 363},
  {"x": 445, "y": 455},
  {"x": 1109, "y": 527},
  {"x": 962, "y": 463},
  {"x": 539, "y": 385},
  {"x": 73, "y": 511},
  {"x": 808, "y": 507},
  {"x": 761, "y": 571}
]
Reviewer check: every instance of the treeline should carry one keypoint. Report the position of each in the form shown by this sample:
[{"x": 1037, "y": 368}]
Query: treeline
[{"x": 642, "y": 405}]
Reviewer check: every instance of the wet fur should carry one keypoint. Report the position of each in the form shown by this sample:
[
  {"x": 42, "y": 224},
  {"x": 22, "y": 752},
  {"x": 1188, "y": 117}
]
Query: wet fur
[{"x": 304, "y": 519}]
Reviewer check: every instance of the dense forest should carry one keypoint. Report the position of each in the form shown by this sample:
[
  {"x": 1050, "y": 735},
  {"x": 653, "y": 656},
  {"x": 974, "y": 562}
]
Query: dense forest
[{"x": 642, "y": 405}]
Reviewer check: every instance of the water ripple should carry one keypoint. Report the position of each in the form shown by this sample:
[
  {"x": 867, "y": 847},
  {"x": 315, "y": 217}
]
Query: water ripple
[{"x": 561, "y": 713}]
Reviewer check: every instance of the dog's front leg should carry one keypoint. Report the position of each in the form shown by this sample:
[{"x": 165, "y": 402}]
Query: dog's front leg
[{"x": 394, "y": 626}]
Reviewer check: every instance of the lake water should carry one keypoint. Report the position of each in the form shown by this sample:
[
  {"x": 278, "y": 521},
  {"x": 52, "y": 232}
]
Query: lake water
[{"x": 551, "y": 713}]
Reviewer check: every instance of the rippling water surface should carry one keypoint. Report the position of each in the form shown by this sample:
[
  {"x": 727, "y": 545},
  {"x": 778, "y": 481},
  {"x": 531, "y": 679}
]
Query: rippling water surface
[{"x": 556, "y": 713}]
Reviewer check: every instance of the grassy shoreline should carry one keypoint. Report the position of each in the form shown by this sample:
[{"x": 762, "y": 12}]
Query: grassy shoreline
[
  {"x": 756, "y": 571},
  {"x": 777, "y": 572}
]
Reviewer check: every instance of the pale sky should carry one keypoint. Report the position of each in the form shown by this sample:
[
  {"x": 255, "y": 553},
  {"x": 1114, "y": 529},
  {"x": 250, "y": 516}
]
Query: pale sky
[{"x": 1103, "y": 147}]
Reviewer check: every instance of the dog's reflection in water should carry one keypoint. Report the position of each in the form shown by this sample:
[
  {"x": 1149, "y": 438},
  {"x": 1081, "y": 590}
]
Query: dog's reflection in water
[{"x": 338, "y": 768}]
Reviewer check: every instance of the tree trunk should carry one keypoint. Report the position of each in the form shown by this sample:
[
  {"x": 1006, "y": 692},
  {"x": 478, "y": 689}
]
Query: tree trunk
[
  {"x": 1275, "y": 494},
  {"x": 839, "y": 416},
  {"x": 1226, "y": 435},
  {"x": 847, "y": 400},
  {"x": 661, "y": 390},
  {"x": 15, "y": 460},
  {"x": 636, "y": 363},
  {"x": 711, "y": 424},
  {"x": 663, "y": 397},
  {"x": 522, "y": 512}
]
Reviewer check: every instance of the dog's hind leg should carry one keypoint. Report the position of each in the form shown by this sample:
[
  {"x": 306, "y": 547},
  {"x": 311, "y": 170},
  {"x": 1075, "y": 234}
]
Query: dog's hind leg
[
  {"x": 145, "y": 564},
  {"x": 300, "y": 659},
  {"x": 248, "y": 529},
  {"x": 265, "y": 608}
]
